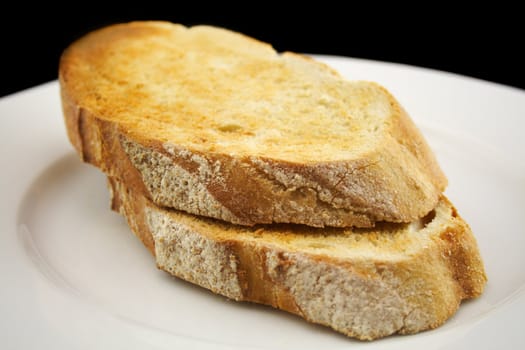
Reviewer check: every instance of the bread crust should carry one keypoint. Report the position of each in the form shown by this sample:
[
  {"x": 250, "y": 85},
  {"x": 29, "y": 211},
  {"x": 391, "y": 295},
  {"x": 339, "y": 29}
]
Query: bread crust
[
  {"x": 361, "y": 297},
  {"x": 249, "y": 190}
]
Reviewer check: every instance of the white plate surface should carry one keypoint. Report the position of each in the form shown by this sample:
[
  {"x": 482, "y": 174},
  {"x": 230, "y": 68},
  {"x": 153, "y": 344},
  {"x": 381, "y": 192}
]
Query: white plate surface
[{"x": 74, "y": 277}]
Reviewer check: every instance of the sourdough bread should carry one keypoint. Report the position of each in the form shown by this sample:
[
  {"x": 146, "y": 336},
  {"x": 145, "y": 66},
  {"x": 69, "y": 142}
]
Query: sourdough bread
[
  {"x": 365, "y": 283},
  {"x": 220, "y": 125}
]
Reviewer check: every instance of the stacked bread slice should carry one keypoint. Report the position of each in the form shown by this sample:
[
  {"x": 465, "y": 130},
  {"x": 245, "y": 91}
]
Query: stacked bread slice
[{"x": 267, "y": 177}]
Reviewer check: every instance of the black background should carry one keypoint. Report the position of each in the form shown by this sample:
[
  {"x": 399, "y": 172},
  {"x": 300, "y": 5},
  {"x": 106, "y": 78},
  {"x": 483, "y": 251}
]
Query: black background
[{"x": 486, "y": 43}]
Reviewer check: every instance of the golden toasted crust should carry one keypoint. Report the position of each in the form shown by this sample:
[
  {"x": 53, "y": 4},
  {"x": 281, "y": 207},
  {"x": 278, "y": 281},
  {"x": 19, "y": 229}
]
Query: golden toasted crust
[
  {"x": 365, "y": 283},
  {"x": 217, "y": 124}
]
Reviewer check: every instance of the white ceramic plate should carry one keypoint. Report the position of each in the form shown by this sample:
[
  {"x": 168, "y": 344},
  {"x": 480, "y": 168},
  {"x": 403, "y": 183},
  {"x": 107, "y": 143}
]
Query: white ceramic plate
[{"x": 73, "y": 276}]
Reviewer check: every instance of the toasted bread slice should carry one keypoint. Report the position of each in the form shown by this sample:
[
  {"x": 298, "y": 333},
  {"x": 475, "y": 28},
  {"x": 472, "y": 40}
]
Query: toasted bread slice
[
  {"x": 365, "y": 283},
  {"x": 220, "y": 125}
]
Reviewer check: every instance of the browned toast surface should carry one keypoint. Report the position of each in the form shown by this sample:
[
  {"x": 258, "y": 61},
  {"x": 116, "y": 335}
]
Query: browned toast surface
[{"x": 220, "y": 125}]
